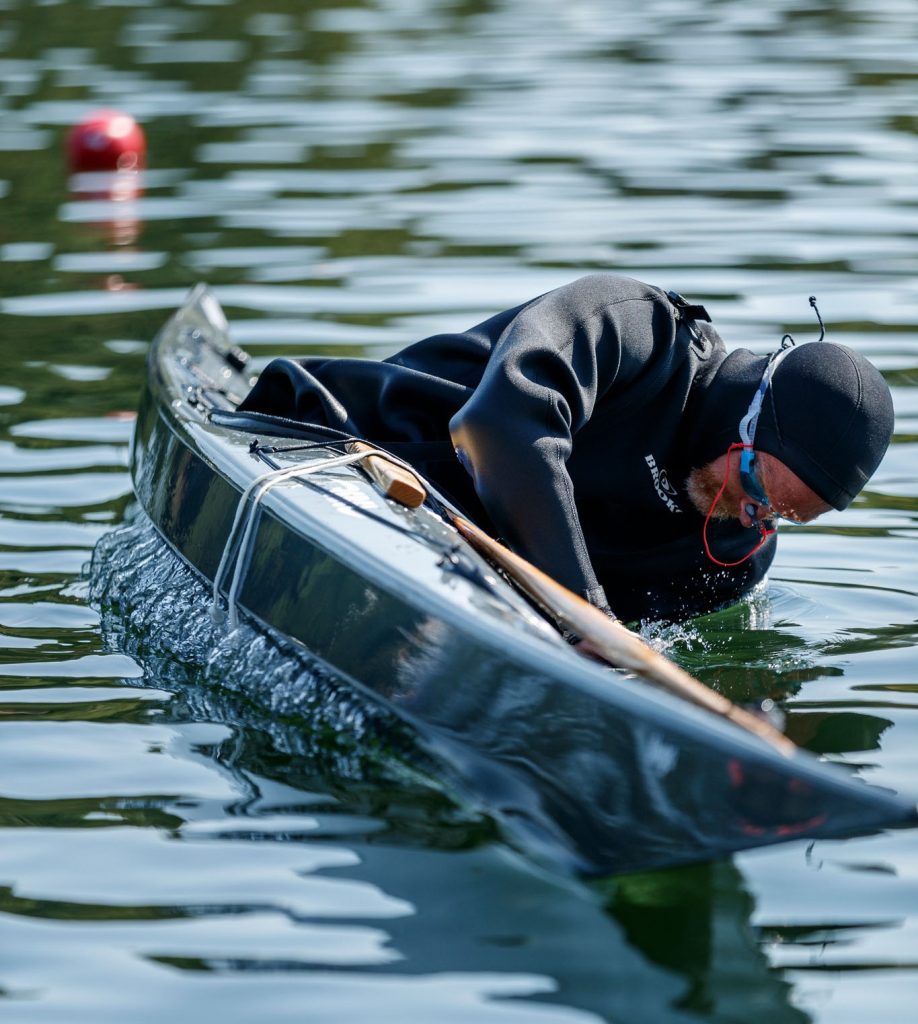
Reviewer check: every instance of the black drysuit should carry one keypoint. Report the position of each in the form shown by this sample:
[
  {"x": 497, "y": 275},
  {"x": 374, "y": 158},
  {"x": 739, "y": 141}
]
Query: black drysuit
[{"x": 567, "y": 426}]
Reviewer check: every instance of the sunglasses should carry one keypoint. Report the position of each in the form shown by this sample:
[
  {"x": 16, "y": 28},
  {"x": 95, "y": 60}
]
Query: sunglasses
[
  {"x": 749, "y": 478},
  {"x": 752, "y": 485}
]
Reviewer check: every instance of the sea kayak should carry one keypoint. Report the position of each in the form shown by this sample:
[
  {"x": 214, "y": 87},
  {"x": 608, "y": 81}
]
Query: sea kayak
[{"x": 590, "y": 767}]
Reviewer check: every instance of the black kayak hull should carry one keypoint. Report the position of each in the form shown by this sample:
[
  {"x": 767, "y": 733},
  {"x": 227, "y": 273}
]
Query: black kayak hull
[{"x": 580, "y": 764}]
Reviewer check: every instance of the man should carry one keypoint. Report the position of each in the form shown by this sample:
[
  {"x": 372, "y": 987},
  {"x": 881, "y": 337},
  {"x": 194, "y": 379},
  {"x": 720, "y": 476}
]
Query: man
[{"x": 604, "y": 432}]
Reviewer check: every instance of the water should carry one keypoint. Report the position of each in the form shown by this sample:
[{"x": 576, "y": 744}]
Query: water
[{"x": 350, "y": 179}]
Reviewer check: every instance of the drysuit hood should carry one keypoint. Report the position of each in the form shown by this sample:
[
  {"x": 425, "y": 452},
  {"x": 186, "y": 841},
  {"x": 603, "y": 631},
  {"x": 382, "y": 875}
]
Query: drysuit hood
[{"x": 827, "y": 415}]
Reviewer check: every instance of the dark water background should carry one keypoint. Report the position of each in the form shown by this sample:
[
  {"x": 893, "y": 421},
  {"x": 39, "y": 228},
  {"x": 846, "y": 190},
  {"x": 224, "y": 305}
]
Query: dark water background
[{"x": 351, "y": 178}]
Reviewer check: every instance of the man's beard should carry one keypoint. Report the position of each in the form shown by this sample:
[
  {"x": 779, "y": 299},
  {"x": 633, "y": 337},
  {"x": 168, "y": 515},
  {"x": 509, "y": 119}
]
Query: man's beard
[{"x": 702, "y": 487}]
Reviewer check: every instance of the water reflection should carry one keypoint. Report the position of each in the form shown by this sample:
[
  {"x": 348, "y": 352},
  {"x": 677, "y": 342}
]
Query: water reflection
[
  {"x": 271, "y": 864},
  {"x": 696, "y": 922}
]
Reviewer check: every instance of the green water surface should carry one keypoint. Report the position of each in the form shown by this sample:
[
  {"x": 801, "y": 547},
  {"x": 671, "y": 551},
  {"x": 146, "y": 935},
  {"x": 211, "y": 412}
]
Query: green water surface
[{"x": 351, "y": 177}]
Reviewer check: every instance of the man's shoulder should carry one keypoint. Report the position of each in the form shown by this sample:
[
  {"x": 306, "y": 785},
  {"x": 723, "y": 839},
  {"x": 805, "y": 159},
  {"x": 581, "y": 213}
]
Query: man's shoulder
[
  {"x": 604, "y": 304},
  {"x": 611, "y": 287}
]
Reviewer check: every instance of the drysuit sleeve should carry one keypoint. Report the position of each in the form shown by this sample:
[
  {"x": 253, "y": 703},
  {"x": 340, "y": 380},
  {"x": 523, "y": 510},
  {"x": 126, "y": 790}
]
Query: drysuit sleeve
[{"x": 559, "y": 356}]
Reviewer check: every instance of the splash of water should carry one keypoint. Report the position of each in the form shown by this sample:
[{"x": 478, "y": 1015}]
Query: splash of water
[
  {"x": 669, "y": 638},
  {"x": 157, "y": 609}
]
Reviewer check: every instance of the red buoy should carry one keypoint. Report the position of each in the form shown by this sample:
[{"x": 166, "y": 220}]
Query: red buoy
[{"x": 106, "y": 140}]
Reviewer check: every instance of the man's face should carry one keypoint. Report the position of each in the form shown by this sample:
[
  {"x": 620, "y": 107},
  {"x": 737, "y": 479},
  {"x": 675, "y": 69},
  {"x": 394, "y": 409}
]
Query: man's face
[{"x": 788, "y": 496}]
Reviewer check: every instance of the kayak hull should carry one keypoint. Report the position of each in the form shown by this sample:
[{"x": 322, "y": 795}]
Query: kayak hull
[{"x": 578, "y": 763}]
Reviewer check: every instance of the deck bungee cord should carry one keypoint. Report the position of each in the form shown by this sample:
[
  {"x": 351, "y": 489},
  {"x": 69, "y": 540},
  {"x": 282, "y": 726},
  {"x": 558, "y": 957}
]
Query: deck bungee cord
[
  {"x": 246, "y": 510},
  {"x": 238, "y": 547}
]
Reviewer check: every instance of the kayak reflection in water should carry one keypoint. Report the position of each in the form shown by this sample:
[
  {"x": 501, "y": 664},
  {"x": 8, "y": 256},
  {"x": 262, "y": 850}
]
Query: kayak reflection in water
[{"x": 606, "y": 434}]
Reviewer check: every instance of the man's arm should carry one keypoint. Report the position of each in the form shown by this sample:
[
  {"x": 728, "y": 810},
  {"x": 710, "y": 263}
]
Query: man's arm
[{"x": 557, "y": 358}]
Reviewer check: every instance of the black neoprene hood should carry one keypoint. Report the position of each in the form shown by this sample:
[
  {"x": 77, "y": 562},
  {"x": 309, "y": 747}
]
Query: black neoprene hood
[{"x": 828, "y": 416}]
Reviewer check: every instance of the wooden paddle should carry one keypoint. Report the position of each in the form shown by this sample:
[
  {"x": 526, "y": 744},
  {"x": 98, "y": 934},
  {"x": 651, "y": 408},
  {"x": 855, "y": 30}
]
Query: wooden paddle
[{"x": 614, "y": 642}]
